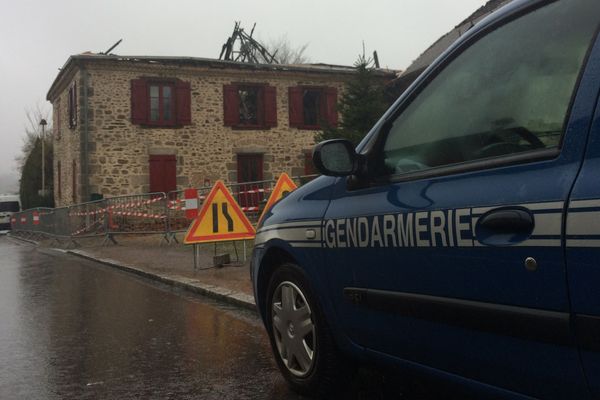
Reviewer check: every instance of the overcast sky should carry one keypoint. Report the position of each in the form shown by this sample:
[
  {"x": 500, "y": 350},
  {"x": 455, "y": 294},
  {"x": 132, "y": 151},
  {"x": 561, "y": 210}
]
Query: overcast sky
[{"x": 37, "y": 37}]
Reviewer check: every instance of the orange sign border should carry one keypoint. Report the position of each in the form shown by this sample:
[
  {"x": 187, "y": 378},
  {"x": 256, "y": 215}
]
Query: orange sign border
[
  {"x": 249, "y": 234},
  {"x": 283, "y": 178}
]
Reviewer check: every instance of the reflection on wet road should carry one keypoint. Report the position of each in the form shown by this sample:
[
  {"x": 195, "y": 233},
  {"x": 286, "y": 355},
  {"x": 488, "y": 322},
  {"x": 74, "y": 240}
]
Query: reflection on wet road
[{"x": 72, "y": 329}]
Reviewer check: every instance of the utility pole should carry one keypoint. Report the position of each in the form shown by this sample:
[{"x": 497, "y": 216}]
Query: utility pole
[{"x": 43, "y": 123}]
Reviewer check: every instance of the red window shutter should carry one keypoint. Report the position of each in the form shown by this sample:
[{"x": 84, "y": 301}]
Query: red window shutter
[
  {"x": 331, "y": 115},
  {"x": 75, "y": 104},
  {"x": 74, "y": 182},
  {"x": 139, "y": 101},
  {"x": 59, "y": 177},
  {"x": 170, "y": 168},
  {"x": 270, "y": 106},
  {"x": 56, "y": 115},
  {"x": 231, "y": 105},
  {"x": 295, "y": 104},
  {"x": 183, "y": 96},
  {"x": 70, "y": 107}
]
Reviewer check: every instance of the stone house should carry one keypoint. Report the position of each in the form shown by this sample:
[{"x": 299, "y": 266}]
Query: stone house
[{"x": 127, "y": 125}]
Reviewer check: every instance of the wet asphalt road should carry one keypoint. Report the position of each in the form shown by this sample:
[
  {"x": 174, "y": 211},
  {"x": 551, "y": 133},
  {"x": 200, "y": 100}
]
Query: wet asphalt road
[
  {"x": 74, "y": 329},
  {"x": 70, "y": 328}
]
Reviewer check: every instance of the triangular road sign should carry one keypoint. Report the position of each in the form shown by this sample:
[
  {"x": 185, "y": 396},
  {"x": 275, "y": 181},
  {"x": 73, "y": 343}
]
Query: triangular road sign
[
  {"x": 282, "y": 188},
  {"x": 220, "y": 219}
]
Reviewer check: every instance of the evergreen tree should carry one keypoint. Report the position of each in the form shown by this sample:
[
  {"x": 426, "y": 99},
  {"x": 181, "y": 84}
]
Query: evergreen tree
[
  {"x": 31, "y": 177},
  {"x": 360, "y": 106}
]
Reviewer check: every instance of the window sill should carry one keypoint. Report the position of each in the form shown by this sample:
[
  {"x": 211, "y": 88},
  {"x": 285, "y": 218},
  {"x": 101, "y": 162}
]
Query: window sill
[
  {"x": 310, "y": 127},
  {"x": 155, "y": 126}
]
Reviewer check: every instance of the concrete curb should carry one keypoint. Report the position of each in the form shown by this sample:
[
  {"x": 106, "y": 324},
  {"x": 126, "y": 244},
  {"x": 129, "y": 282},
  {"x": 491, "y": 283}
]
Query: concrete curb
[
  {"x": 192, "y": 285},
  {"x": 30, "y": 241},
  {"x": 215, "y": 292}
]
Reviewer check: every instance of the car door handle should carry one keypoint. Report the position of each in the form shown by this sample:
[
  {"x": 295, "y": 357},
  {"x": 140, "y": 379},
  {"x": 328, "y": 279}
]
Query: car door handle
[{"x": 504, "y": 226}]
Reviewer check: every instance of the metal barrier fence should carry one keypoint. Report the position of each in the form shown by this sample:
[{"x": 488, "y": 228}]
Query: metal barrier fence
[
  {"x": 86, "y": 220},
  {"x": 150, "y": 213}
]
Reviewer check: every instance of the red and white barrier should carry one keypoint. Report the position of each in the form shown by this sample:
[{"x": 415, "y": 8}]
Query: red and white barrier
[
  {"x": 131, "y": 204},
  {"x": 176, "y": 205},
  {"x": 191, "y": 203},
  {"x": 251, "y": 191},
  {"x": 180, "y": 204},
  {"x": 87, "y": 228},
  {"x": 138, "y": 214},
  {"x": 36, "y": 218}
]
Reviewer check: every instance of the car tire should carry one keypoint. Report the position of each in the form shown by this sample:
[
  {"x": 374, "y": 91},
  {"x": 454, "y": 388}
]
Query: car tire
[{"x": 300, "y": 336}]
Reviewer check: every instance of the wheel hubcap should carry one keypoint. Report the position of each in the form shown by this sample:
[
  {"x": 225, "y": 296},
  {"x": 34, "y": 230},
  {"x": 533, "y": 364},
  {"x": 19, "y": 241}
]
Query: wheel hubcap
[{"x": 293, "y": 329}]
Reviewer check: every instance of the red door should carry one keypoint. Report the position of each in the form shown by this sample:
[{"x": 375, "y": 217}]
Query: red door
[
  {"x": 163, "y": 174},
  {"x": 250, "y": 169}
]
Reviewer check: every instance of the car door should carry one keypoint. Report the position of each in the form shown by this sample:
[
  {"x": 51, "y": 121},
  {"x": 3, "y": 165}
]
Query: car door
[
  {"x": 447, "y": 251},
  {"x": 583, "y": 254}
]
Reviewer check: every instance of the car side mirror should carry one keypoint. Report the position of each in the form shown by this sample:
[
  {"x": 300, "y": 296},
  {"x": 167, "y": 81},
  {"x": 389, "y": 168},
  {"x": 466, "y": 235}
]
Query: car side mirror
[{"x": 335, "y": 157}]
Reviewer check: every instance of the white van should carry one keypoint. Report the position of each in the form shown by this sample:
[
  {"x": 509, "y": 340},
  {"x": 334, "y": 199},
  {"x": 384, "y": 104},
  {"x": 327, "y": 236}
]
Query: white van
[{"x": 9, "y": 204}]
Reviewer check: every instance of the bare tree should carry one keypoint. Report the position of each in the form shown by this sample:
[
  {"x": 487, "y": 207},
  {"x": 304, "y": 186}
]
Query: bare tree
[
  {"x": 286, "y": 54},
  {"x": 33, "y": 131}
]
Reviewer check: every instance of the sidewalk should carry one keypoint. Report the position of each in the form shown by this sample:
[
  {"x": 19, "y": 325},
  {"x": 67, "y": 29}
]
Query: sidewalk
[{"x": 174, "y": 265}]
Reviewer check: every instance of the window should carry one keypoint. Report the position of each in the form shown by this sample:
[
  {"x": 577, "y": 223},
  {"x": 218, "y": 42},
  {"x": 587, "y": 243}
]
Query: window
[
  {"x": 251, "y": 98},
  {"x": 250, "y": 169},
  {"x": 163, "y": 173},
  {"x": 508, "y": 93},
  {"x": 73, "y": 105},
  {"x": 312, "y": 107},
  {"x": 160, "y": 103},
  {"x": 249, "y": 106}
]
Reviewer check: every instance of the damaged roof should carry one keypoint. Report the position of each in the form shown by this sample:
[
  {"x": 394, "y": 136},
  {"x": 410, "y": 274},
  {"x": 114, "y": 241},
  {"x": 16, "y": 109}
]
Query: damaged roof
[{"x": 209, "y": 63}]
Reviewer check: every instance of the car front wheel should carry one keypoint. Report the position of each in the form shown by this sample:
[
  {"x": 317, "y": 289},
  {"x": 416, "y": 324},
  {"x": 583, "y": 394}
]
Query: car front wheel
[{"x": 300, "y": 337}]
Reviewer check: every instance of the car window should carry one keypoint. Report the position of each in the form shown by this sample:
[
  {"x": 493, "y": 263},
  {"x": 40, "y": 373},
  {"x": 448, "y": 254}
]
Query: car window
[
  {"x": 507, "y": 93},
  {"x": 10, "y": 206}
]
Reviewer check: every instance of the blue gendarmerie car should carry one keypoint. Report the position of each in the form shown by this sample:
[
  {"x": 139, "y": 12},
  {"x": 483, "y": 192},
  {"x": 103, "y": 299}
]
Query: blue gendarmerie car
[{"x": 461, "y": 238}]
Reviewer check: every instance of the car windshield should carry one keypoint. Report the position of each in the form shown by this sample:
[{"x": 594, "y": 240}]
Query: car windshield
[
  {"x": 507, "y": 93},
  {"x": 10, "y": 206}
]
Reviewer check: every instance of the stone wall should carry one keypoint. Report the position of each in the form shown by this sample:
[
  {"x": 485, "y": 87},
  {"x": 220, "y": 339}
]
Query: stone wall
[
  {"x": 66, "y": 148},
  {"x": 205, "y": 150}
]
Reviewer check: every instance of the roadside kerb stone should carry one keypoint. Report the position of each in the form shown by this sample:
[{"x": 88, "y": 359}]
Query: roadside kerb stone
[
  {"x": 193, "y": 285},
  {"x": 215, "y": 292},
  {"x": 30, "y": 241}
]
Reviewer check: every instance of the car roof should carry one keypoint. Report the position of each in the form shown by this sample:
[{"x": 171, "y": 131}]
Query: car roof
[{"x": 9, "y": 197}]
